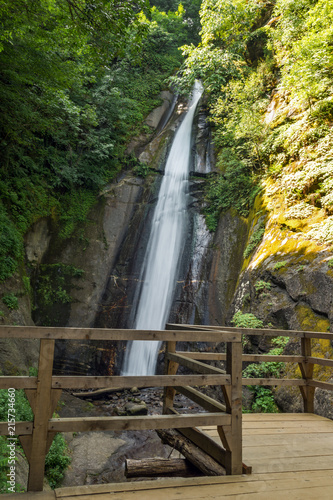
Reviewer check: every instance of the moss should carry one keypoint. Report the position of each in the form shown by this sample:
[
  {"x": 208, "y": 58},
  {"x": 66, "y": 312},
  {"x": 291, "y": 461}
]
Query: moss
[
  {"x": 310, "y": 321},
  {"x": 322, "y": 348},
  {"x": 10, "y": 369}
]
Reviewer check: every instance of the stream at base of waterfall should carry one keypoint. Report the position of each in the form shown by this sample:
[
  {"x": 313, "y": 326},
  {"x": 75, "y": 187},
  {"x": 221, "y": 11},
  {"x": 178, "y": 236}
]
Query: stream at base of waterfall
[{"x": 164, "y": 249}]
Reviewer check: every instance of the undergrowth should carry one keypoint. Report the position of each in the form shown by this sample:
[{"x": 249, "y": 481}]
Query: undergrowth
[{"x": 57, "y": 459}]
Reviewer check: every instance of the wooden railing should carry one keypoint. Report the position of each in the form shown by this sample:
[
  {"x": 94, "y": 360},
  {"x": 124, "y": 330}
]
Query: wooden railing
[
  {"x": 43, "y": 391},
  {"x": 305, "y": 360}
]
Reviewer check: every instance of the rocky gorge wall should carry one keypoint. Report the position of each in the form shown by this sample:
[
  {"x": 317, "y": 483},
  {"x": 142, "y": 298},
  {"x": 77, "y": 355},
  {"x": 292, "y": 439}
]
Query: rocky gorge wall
[{"x": 286, "y": 282}]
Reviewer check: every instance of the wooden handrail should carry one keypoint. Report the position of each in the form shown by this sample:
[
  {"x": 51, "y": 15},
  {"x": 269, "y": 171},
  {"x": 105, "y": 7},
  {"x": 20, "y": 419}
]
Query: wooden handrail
[
  {"x": 255, "y": 331},
  {"x": 59, "y": 333}
]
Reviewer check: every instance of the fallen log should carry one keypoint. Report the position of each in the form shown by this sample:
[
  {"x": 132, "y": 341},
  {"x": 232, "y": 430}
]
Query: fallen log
[
  {"x": 204, "y": 462},
  {"x": 160, "y": 467},
  {"x": 97, "y": 393}
]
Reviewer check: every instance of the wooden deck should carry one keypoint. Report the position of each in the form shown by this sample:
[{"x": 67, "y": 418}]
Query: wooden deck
[{"x": 291, "y": 456}]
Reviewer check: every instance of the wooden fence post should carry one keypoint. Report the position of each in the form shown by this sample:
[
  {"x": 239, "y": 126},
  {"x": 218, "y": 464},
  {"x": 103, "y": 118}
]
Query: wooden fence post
[
  {"x": 232, "y": 437},
  {"x": 170, "y": 368},
  {"x": 44, "y": 404},
  {"x": 307, "y": 373}
]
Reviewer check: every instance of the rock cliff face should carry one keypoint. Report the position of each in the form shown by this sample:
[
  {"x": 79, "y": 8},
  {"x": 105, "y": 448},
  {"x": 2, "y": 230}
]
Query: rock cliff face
[
  {"x": 287, "y": 282},
  {"x": 94, "y": 253}
]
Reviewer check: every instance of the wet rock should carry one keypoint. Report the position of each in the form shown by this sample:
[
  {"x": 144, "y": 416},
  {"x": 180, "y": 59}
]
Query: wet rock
[
  {"x": 37, "y": 241},
  {"x": 157, "y": 115},
  {"x": 136, "y": 409}
]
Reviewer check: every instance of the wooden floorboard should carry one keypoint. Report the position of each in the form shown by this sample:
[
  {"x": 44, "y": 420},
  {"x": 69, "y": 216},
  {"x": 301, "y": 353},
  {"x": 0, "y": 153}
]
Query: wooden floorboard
[{"x": 291, "y": 457}]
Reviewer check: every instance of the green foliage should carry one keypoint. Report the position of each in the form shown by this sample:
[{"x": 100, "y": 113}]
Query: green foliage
[
  {"x": 10, "y": 300},
  {"x": 57, "y": 459},
  {"x": 237, "y": 98},
  {"x": 255, "y": 239},
  {"x": 54, "y": 293},
  {"x": 261, "y": 286},
  {"x": 235, "y": 188},
  {"x": 33, "y": 371},
  {"x": 141, "y": 169},
  {"x": 11, "y": 245},
  {"x": 263, "y": 401},
  {"x": 279, "y": 265},
  {"x": 75, "y": 210},
  {"x": 27, "y": 285},
  {"x": 330, "y": 263},
  {"x": 302, "y": 39},
  {"x": 264, "y": 370},
  {"x": 4, "y": 455},
  {"x": 76, "y": 82},
  {"x": 23, "y": 410},
  {"x": 247, "y": 320},
  {"x": 55, "y": 283}
]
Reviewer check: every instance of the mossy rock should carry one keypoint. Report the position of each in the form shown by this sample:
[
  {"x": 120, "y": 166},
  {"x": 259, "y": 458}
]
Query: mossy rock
[{"x": 309, "y": 320}]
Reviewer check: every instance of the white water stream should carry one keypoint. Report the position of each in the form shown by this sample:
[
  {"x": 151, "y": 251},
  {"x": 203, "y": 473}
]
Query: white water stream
[{"x": 164, "y": 248}]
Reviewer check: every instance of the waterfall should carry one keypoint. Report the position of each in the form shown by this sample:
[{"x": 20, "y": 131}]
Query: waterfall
[{"x": 167, "y": 236}]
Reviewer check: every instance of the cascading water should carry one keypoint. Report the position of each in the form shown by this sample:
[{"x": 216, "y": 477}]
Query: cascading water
[{"x": 164, "y": 248}]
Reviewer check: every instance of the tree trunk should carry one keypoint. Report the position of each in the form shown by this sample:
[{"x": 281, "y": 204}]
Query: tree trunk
[{"x": 160, "y": 467}]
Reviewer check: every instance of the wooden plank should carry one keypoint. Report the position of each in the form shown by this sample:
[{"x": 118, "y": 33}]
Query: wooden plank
[
  {"x": 320, "y": 361},
  {"x": 328, "y": 386},
  {"x": 246, "y": 331},
  {"x": 86, "y": 382},
  {"x": 207, "y": 444},
  {"x": 278, "y": 431},
  {"x": 21, "y": 428},
  {"x": 309, "y": 424},
  {"x": 173, "y": 332},
  {"x": 312, "y": 439},
  {"x": 261, "y": 465},
  {"x": 274, "y": 381},
  {"x": 234, "y": 438},
  {"x": 26, "y": 442},
  {"x": 204, "y": 356},
  {"x": 282, "y": 416},
  {"x": 18, "y": 382},
  {"x": 297, "y": 450},
  {"x": 214, "y": 356},
  {"x": 277, "y": 358},
  {"x": 306, "y": 368},
  {"x": 82, "y": 424},
  {"x": 263, "y": 489},
  {"x": 43, "y": 412},
  {"x": 170, "y": 368},
  {"x": 166, "y": 484},
  {"x": 194, "y": 365},
  {"x": 36, "y": 495},
  {"x": 318, "y": 335},
  {"x": 43, "y": 332},
  {"x": 259, "y": 331},
  {"x": 201, "y": 399},
  {"x": 32, "y": 394}
]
